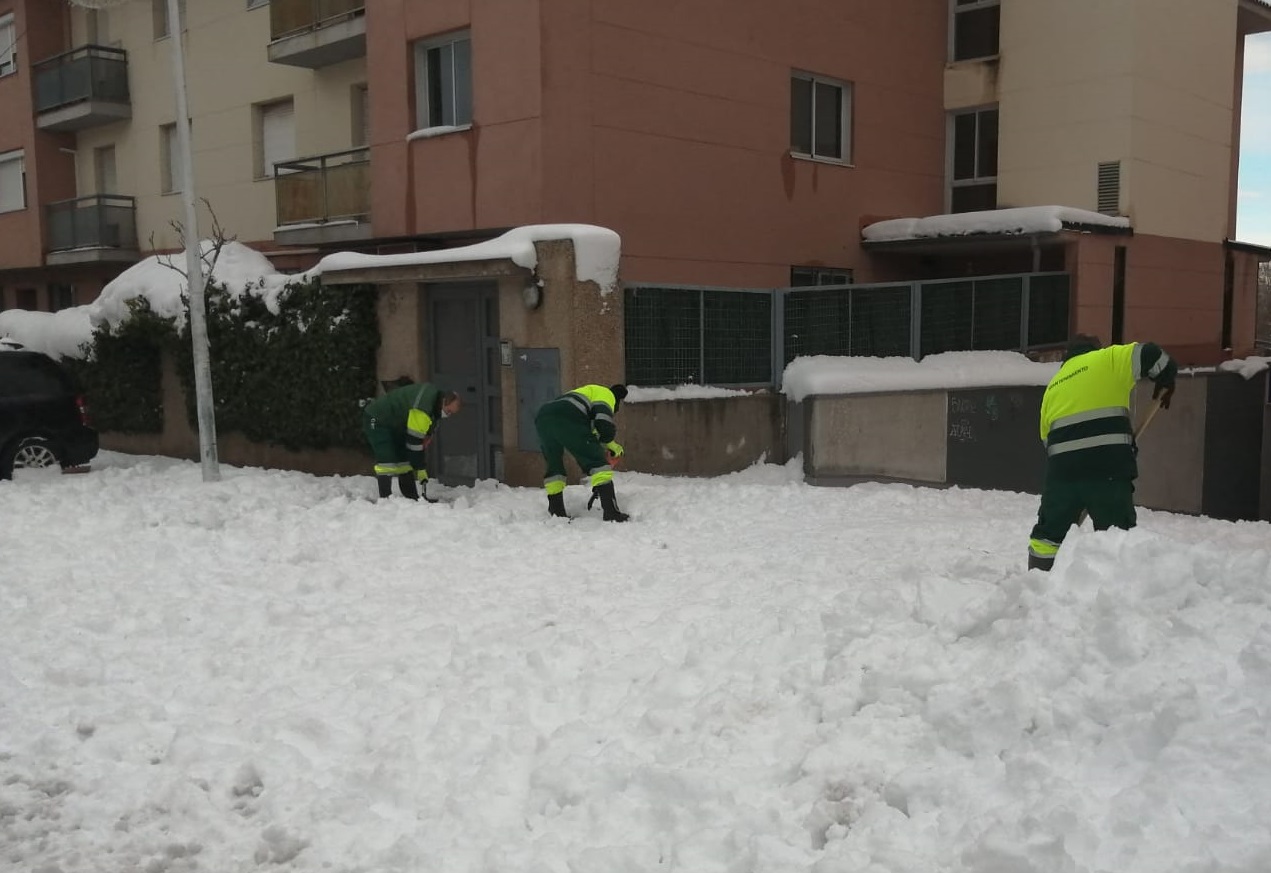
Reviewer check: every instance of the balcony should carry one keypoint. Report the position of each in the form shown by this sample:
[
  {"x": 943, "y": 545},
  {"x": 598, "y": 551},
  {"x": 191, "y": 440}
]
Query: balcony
[
  {"x": 81, "y": 88},
  {"x": 324, "y": 199},
  {"x": 93, "y": 229},
  {"x": 316, "y": 33}
]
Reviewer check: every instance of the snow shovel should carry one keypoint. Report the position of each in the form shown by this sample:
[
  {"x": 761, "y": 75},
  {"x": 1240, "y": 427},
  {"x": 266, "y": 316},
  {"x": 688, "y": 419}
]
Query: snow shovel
[{"x": 1138, "y": 431}]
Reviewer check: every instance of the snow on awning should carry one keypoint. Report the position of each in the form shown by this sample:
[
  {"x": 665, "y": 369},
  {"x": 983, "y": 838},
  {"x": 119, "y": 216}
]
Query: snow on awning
[{"x": 1018, "y": 222}]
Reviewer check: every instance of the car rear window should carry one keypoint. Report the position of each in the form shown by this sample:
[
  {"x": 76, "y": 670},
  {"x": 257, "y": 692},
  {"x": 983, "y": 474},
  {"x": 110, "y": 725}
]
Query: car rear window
[{"x": 24, "y": 374}]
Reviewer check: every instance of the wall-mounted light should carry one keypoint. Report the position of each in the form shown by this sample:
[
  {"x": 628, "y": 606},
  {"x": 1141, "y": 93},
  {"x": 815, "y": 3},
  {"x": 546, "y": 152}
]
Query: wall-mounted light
[{"x": 532, "y": 293}]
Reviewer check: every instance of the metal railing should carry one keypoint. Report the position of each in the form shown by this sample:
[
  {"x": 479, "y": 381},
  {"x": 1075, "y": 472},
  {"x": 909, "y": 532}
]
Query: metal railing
[
  {"x": 90, "y": 72},
  {"x": 324, "y": 187},
  {"x": 101, "y": 221},
  {"x": 289, "y": 17},
  {"x": 746, "y": 337}
]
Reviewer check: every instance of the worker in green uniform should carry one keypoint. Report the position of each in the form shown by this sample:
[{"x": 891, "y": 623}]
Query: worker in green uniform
[
  {"x": 1090, "y": 452},
  {"x": 399, "y": 426},
  {"x": 581, "y": 422}
]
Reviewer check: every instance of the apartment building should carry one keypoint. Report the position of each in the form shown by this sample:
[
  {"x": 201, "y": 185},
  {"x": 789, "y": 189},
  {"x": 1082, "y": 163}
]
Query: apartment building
[
  {"x": 743, "y": 144},
  {"x": 90, "y": 168}
]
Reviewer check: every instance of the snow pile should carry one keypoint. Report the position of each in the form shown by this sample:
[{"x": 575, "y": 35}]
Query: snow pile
[
  {"x": 57, "y": 334},
  {"x": 824, "y": 374},
  {"x": 1025, "y": 219},
  {"x": 597, "y": 251},
  {"x": 274, "y": 672},
  {"x": 161, "y": 280},
  {"x": 636, "y": 394}
]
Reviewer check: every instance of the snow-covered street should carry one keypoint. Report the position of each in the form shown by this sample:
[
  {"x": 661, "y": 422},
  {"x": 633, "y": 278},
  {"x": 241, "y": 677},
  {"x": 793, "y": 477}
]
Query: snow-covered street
[{"x": 275, "y": 673}]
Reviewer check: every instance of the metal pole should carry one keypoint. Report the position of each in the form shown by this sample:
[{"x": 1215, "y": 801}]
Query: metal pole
[{"x": 193, "y": 262}]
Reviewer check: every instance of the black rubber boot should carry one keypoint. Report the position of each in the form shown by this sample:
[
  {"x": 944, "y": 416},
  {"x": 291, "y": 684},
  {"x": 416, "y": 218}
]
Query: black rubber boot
[
  {"x": 385, "y": 484},
  {"x": 1036, "y": 562},
  {"x": 556, "y": 505},
  {"x": 406, "y": 482},
  {"x": 609, "y": 502}
]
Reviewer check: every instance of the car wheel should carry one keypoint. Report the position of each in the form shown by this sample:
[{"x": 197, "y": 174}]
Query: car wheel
[{"x": 32, "y": 453}]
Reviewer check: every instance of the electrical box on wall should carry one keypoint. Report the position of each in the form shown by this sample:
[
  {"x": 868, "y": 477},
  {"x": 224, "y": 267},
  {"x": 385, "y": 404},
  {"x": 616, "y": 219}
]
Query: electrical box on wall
[{"x": 537, "y": 382}]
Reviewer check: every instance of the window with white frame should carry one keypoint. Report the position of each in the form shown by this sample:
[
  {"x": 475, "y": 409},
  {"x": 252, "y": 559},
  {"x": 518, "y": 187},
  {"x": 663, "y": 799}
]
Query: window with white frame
[
  {"x": 171, "y": 170},
  {"x": 361, "y": 116},
  {"x": 443, "y": 81},
  {"x": 275, "y": 136},
  {"x": 804, "y": 277},
  {"x": 8, "y": 45},
  {"x": 12, "y": 181},
  {"x": 104, "y": 170},
  {"x": 159, "y": 15},
  {"x": 976, "y": 29},
  {"x": 820, "y": 117},
  {"x": 973, "y": 159}
]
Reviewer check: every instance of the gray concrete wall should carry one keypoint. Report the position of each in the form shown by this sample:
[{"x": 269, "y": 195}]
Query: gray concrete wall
[
  {"x": 894, "y": 436},
  {"x": 703, "y": 437},
  {"x": 1172, "y": 448},
  {"x": 905, "y": 435}
]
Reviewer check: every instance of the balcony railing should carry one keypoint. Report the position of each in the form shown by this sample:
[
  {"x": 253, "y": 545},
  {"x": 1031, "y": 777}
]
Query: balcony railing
[
  {"x": 88, "y": 74},
  {"x": 102, "y": 221},
  {"x": 324, "y": 188},
  {"x": 290, "y": 17}
]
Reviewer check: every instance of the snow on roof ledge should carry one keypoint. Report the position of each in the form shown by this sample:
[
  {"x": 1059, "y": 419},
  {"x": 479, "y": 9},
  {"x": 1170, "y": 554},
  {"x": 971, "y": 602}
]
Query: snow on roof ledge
[
  {"x": 824, "y": 374},
  {"x": 596, "y": 253},
  {"x": 1030, "y": 219}
]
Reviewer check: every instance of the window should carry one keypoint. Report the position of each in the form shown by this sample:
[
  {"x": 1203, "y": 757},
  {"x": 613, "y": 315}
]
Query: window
[
  {"x": 974, "y": 148},
  {"x": 443, "y": 82},
  {"x": 12, "y": 181},
  {"x": 820, "y": 117},
  {"x": 8, "y": 45},
  {"x": 99, "y": 29},
  {"x": 61, "y": 297},
  {"x": 172, "y": 172},
  {"x": 159, "y": 14},
  {"x": 104, "y": 170},
  {"x": 975, "y": 29},
  {"x": 275, "y": 136},
  {"x": 803, "y": 277},
  {"x": 361, "y": 116},
  {"x": 29, "y": 299}
]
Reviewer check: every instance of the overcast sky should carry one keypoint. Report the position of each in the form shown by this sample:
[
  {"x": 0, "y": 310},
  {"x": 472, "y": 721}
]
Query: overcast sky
[{"x": 1254, "y": 215}]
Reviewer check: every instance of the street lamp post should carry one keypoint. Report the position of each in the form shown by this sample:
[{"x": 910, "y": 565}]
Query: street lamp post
[{"x": 193, "y": 260}]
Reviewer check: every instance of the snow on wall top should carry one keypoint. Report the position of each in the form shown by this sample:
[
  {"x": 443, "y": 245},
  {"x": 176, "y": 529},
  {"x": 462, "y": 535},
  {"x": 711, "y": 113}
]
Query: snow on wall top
[
  {"x": 1030, "y": 219},
  {"x": 596, "y": 252}
]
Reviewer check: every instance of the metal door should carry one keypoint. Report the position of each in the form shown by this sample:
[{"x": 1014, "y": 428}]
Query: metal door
[{"x": 463, "y": 343}]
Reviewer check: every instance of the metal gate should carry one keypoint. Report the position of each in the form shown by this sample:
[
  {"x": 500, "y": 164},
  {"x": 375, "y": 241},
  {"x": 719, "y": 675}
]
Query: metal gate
[{"x": 462, "y": 330}]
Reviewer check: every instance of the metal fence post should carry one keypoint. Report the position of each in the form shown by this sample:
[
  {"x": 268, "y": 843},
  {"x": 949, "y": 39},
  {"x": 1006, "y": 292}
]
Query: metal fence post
[
  {"x": 1026, "y": 293},
  {"x": 778, "y": 327},
  {"x": 701, "y": 337},
  {"x": 915, "y": 320}
]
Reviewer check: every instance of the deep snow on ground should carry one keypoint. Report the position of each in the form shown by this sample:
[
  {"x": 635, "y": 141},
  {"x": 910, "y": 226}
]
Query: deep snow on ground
[{"x": 274, "y": 672}]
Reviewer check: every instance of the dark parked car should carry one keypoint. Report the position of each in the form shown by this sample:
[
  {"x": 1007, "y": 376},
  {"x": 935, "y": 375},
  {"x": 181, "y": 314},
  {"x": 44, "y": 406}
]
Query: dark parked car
[{"x": 43, "y": 415}]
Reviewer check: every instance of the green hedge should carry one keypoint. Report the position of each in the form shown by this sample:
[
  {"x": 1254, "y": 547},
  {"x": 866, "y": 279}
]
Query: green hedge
[
  {"x": 122, "y": 371},
  {"x": 294, "y": 378}
]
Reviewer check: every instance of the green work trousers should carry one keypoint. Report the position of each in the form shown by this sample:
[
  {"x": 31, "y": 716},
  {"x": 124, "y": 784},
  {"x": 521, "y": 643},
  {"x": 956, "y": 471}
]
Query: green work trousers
[
  {"x": 1109, "y": 501},
  {"x": 561, "y": 428}
]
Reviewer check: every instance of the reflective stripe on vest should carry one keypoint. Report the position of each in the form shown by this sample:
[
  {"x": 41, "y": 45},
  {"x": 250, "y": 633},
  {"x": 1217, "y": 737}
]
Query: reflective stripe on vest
[
  {"x": 1107, "y": 439},
  {"x": 583, "y": 404},
  {"x": 1113, "y": 421}
]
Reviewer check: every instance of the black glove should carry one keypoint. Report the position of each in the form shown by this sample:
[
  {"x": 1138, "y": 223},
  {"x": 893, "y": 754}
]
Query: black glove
[
  {"x": 594, "y": 497},
  {"x": 1164, "y": 394}
]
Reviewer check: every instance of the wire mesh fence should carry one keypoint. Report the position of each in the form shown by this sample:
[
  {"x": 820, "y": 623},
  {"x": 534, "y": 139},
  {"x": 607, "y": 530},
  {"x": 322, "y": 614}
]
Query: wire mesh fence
[{"x": 745, "y": 337}]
